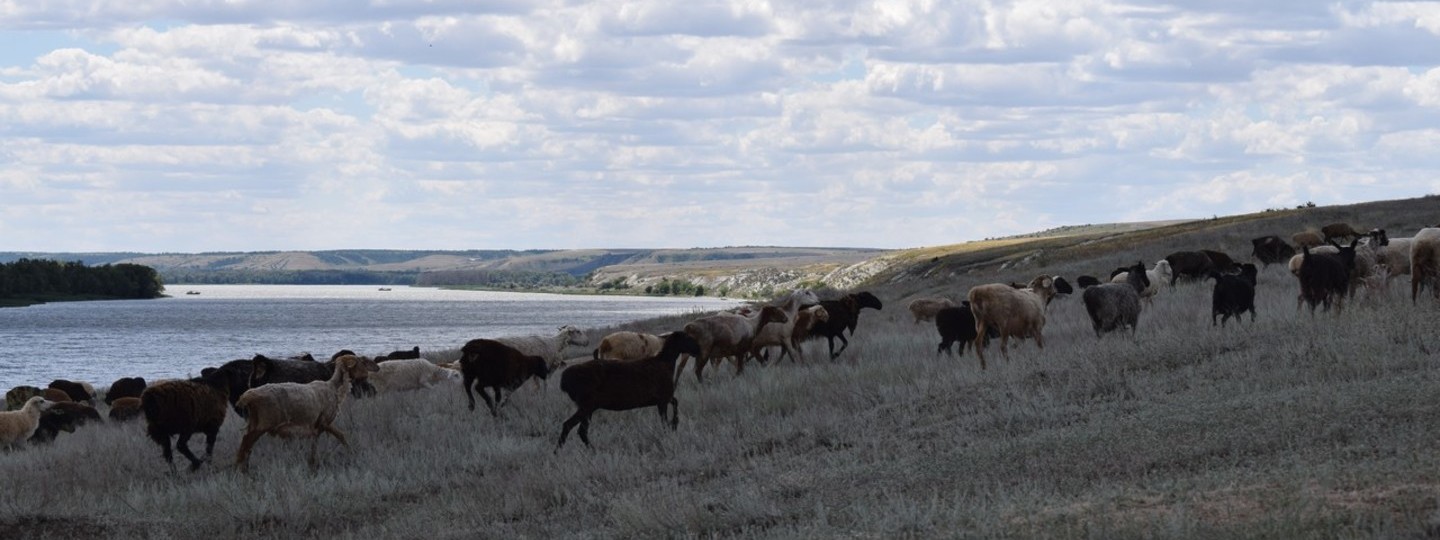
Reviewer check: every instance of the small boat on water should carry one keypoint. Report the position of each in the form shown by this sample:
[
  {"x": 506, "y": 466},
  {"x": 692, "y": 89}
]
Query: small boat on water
[
  {"x": 384, "y": 288},
  {"x": 192, "y": 292}
]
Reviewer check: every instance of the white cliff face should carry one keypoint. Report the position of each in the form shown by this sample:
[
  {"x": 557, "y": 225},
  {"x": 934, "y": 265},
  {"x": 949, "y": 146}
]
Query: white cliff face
[{"x": 761, "y": 281}]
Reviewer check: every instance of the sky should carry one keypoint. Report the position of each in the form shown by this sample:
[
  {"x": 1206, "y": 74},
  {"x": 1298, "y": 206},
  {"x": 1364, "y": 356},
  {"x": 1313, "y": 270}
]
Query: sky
[{"x": 238, "y": 125}]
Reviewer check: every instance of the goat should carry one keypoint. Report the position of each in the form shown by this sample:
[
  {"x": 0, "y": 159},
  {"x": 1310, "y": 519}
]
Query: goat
[{"x": 619, "y": 386}]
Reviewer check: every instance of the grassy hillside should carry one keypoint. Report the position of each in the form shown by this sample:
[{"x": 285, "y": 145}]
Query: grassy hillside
[{"x": 1294, "y": 426}]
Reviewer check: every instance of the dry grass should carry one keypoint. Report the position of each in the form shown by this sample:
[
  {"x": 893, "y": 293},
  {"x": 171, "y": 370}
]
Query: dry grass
[{"x": 1294, "y": 426}]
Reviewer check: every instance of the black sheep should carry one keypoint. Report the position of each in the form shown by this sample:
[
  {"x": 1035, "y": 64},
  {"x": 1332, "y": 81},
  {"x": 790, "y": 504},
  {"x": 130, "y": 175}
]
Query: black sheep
[
  {"x": 265, "y": 370},
  {"x": 844, "y": 315},
  {"x": 1325, "y": 277},
  {"x": 487, "y": 363},
  {"x": 1223, "y": 263},
  {"x": 236, "y": 376},
  {"x": 124, "y": 387},
  {"x": 957, "y": 324},
  {"x": 1088, "y": 281},
  {"x": 1190, "y": 264},
  {"x": 412, "y": 354},
  {"x": 1234, "y": 294},
  {"x": 77, "y": 392},
  {"x": 185, "y": 408},
  {"x": 1271, "y": 250},
  {"x": 618, "y": 385},
  {"x": 66, "y": 416}
]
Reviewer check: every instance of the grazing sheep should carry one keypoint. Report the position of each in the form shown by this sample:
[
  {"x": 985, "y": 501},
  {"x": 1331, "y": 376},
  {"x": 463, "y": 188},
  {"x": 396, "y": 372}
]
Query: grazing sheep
[
  {"x": 620, "y": 386},
  {"x": 1018, "y": 313},
  {"x": 1339, "y": 230},
  {"x": 1425, "y": 262},
  {"x": 187, "y": 407},
  {"x": 957, "y": 324},
  {"x": 726, "y": 335},
  {"x": 16, "y": 397},
  {"x": 264, "y": 370},
  {"x": 1154, "y": 277},
  {"x": 410, "y": 374},
  {"x": 1116, "y": 306},
  {"x": 844, "y": 315},
  {"x": 1086, "y": 281},
  {"x": 1189, "y": 264},
  {"x": 1307, "y": 239},
  {"x": 63, "y": 417},
  {"x": 124, "y": 387},
  {"x": 1325, "y": 277},
  {"x": 924, "y": 309},
  {"x": 56, "y": 395},
  {"x": 125, "y": 409},
  {"x": 78, "y": 392},
  {"x": 1271, "y": 250},
  {"x": 552, "y": 349},
  {"x": 18, "y": 426},
  {"x": 780, "y": 333},
  {"x": 489, "y": 363},
  {"x": 805, "y": 322},
  {"x": 1233, "y": 295},
  {"x": 309, "y": 409},
  {"x": 626, "y": 345}
]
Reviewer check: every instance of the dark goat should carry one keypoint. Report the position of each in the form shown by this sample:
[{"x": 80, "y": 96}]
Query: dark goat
[
  {"x": 1223, "y": 262},
  {"x": 1325, "y": 277},
  {"x": 265, "y": 370},
  {"x": 487, "y": 363},
  {"x": 124, "y": 387},
  {"x": 1088, "y": 281},
  {"x": 184, "y": 408},
  {"x": 125, "y": 409},
  {"x": 1339, "y": 230},
  {"x": 1115, "y": 306},
  {"x": 75, "y": 390},
  {"x": 957, "y": 324},
  {"x": 1190, "y": 264},
  {"x": 618, "y": 385},
  {"x": 844, "y": 314},
  {"x": 63, "y": 417},
  {"x": 1234, "y": 294},
  {"x": 1271, "y": 250}
]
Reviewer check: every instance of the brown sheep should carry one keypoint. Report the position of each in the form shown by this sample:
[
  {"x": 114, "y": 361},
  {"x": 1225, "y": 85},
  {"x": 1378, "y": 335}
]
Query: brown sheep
[
  {"x": 626, "y": 345},
  {"x": 79, "y": 392},
  {"x": 488, "y": 363},
  {"x": 124, "y": 409},
  {"x": 1018, "y": 313},
  {"x": 726, "y": 335},
  {"x": 1339, "y": 230},
  {"x": 290, "y": 408},
  {"x": 57, "y": 395},
  {"x": 16, "y": 397},
  {"x": 924, "y": 309},
  {"x": 184, "y": 408},
  {"x": 124, "y": 387},
  {"x": 1307, "y": 239},
  {"x": 619, "y": 386}
]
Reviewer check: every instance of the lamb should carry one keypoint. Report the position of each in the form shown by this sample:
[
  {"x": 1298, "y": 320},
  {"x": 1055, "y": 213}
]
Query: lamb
[
  {"x": 1307, "y": 239},
  {"x": 957, "y": 324},
  {"x": 780, "y": 333},
  {"x": 16, "y": 397},
  {"x": 124, "y": 409},
  {"x": 1425, "y": 262},
  {"x": 63, "y": 417},
  {"x": 1325, "y": 277},
  {"x": 626, "y": 345},
  {"x": 1154, "y": 276},
  {"x": 619, "y": 386},
  {"x": 18, "y": 426},
  {"x": 726, "y": 334},
  {"x": 1233, "y": 294},
  {"x": 1018, "y": 313},
  {"x": 187, "y": 407},
  {"x": 1339, "y": 230},
  {"x": 410, "y": 374},
  {"x": 844, "y": 315},
  {"x": 924, "y": 309},
  {"x": 78, "y": 392},
  {"x": 489, "y": 363},
  {"x": 1115, "y": 306},
  {"x": 552, "y": 349},
  {"x": 300, "y": 409},
  {"x": 124, "y": 387}
]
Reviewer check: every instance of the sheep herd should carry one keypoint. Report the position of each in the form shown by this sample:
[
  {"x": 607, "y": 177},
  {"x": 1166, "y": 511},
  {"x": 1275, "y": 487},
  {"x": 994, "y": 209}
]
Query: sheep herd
[{"x": 629, "y": 370}]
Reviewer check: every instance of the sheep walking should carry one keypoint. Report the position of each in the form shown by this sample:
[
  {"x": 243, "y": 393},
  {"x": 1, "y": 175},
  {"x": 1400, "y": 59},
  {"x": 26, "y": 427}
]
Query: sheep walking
[
  {"x": 1116, "y": 306},
  {"x": 780, "y": 333},
  {"x": 300, "y": 409},
  {"x": 17, "y": 426},
  {"x": 1233, "y": 295},
  {"x": 1425, "y": 263},
  {"x": 66, "y": 417},
  {"x": 1325, "y": 277},
  {"x": 1017, "y": 313},
  {"x": 957, "y": 324},
  {"x": 410, "y": 374},
  {"x": 1155, "y": 276},
  {"x": 805, "y": 322},
  {"x": 619, "y": 386},
  {"x": 552, "y": 349},
  {"x": 489, "y": 363},
  {"x": 626, "y": 345},
  {"x": 924, "y": 309},
  {"x": 187, "y": 407},
  {"x": 844, "y": 315},
  {"x": 726, "y": 335}
]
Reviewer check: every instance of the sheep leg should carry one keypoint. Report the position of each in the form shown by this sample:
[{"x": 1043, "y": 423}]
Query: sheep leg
[
  {"x": 169, "y": 454},
  {"x": 584, "y": 431},
  {"x": 242, "y": 456},
  {"x": 334, "y": 432},
  {"x": 843, "y": 344},
  {"x": 700, "y": 367},
  {"x": 491, "y": 404},
  {"x": 674, "y": 414},
  {"x": 183, "y": 445},
  {"x": 469, "y": 382},
  {"x": 581, "y": 414},
  {"x": 680, "y": 368},
  {"x": 210, "y": 441}
]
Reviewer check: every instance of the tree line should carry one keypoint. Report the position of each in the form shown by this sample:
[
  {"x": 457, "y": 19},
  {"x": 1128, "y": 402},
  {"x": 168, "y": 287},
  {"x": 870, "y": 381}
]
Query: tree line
[{"x": 44, "y": 279}]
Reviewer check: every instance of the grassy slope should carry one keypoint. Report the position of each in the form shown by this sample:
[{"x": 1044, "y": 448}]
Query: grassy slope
[{"x": 1295, "y": 426}]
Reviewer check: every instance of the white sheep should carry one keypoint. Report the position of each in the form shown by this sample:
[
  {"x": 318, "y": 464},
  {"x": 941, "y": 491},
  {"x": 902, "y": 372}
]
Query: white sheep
[
  {"x": 411, "y": 374},
  {"x": 17, "y": 426},
  {"x": 1018, "y": 313},
  {"x": 924, "y": 309},
  {"x": 300, "y": 409},
  {"x": 629, "y": 346},
  {"x": 1396, "y": 258},
  {"x": 1425, "y": 262},
  {"x": 1160, "y": 273},
  {"x": 552, "y": 349}
]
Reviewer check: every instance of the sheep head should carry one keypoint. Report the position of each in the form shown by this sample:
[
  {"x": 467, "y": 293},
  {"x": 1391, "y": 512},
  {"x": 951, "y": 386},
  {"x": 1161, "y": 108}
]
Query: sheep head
[
  {"x": 573, "y": 336},
  {"x": 357, "y": 368}
]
